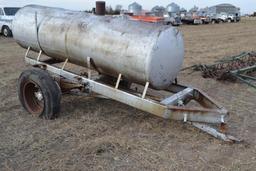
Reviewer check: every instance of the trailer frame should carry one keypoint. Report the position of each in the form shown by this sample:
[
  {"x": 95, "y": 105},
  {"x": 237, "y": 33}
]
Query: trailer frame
[{"x": 173, "y": 107}]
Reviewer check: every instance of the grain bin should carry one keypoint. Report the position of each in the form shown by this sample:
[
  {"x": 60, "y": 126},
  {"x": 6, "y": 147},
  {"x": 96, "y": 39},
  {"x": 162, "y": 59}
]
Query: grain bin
[
  {"x": 135, "y": 8},
  {"x": 173, "y": 8}
]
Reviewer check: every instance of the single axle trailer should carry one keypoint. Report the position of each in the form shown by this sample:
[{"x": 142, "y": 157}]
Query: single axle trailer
[{"x": 41, "y": 87}]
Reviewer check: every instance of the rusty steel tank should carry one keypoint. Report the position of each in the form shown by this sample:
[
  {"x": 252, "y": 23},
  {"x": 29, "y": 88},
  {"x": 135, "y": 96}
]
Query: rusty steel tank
[
  {"x": 100, "y": 8},
  {"x": 142, "y": 52}
]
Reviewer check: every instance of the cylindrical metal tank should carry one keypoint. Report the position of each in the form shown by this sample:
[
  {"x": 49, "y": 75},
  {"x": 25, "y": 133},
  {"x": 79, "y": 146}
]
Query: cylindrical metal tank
[
  {"x": 173, "y": 8},
  {"x": 135, "y": 8},
  {"x": 158, "y": 11},
  {"x": 141, "y": 52},
  {"x": 100, "y": 8}
]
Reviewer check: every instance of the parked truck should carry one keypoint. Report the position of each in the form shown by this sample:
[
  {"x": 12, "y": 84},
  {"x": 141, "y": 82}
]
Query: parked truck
[
  {"x": 218, "y": 18},
  {"x": 6, "y": 17},
  {"x": 233, "y": 18}
]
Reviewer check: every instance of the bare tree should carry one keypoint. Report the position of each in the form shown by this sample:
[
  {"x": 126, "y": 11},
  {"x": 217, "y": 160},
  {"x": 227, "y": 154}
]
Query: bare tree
[{"x": 109, "y": 10}]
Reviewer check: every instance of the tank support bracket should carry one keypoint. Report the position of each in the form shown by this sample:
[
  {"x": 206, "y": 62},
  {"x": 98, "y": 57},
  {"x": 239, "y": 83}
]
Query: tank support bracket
[
  {"x": 118, "y": 81},
  {"x": 145, "y": 90}
]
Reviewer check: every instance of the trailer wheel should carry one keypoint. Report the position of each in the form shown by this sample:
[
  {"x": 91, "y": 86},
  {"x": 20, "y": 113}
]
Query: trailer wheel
[
  {"x": 6, "y": 31},
  {"x": 39, "y": 94}
]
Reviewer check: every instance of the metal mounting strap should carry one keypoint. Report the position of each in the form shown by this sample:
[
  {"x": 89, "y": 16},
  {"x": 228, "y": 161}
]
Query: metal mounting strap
[
  {"x": 118, "y": 81},
  {"x": 145, "y": 90},
  {"x": 39, "y": 55},
  {"x": 26, "y": 54},
  {"x": 65, "y": 63}
]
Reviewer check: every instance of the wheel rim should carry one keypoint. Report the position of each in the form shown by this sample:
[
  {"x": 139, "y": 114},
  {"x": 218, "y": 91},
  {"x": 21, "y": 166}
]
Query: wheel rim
[
  {"x": 33, "y": 98},
  {"x": 5, "y": 32}
]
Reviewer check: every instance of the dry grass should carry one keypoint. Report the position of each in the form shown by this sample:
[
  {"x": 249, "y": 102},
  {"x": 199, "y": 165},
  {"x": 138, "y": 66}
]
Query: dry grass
[{"x": 97, "y": 134}]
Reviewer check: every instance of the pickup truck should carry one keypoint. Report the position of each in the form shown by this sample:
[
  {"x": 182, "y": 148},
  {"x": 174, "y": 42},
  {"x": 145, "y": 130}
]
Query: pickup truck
[
  {"x": 173, "y": 20},
  {"x": 219, "y": 18},
  {"x": 6, "y": 17},
  {"x": 233, "y": 18}
]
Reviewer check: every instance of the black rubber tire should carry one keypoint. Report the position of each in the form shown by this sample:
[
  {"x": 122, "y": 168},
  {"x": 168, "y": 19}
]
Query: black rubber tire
[
  {"x": 220, "y": 21},
  {"x": 6, "y": 31},
  {"x": 49, "y": 89}
]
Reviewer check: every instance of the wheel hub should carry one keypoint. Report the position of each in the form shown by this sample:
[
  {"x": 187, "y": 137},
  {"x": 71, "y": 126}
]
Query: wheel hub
[
  {"x": 33, "y": 98},
  {"x": 39, "y": 95}
]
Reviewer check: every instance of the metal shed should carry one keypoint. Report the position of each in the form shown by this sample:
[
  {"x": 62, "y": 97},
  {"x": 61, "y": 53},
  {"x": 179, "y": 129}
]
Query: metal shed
[{"x": 224, "y": 8}]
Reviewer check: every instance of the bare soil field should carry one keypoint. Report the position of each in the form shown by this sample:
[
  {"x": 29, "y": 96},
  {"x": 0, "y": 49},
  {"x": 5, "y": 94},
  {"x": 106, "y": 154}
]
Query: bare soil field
[{"x": 100, "y": 134}]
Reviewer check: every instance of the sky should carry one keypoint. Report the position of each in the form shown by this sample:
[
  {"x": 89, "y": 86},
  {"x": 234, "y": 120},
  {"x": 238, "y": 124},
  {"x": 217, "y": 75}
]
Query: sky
[{"x": 247, "y": 6}]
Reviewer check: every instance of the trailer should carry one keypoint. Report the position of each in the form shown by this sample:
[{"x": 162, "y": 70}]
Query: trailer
[
  {"x": 40, "y": 91},
  {"x": 154, "y": 89}
]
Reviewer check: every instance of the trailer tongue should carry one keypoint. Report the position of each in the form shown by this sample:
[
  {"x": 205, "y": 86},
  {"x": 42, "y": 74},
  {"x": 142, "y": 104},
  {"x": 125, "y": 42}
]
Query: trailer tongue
[{"x": 142, "y": 75}]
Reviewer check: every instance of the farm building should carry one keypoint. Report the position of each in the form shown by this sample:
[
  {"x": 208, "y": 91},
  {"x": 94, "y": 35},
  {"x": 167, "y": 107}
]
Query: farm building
[{"x": 224, "y": 8}]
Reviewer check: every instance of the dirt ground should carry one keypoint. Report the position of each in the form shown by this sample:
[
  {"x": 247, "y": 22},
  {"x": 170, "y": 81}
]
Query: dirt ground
[{"x": 97, "y": 134}]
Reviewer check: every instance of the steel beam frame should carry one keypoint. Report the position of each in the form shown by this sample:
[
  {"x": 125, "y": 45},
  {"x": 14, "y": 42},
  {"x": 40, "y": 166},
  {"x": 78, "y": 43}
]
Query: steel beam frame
[{"x": 173, "y": 107}]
